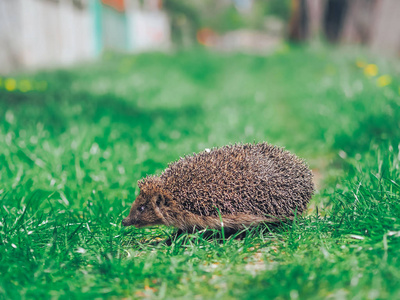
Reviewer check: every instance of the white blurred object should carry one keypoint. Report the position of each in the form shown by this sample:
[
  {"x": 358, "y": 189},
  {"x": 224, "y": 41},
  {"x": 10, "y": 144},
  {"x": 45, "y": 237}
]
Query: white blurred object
[
  {"x": 42, "y": 33},
  {"x": 37, "y": 33},
  {"x": 149, "y": 30},
  {"x": 248, "y": 41},
  {"x": 243, "y": 6}
]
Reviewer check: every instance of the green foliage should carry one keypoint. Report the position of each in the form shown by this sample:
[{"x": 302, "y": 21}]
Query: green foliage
[
  {"x": 70, "y": 157},
  {"x": 279, "y": 8},
  {"x": 187, "y": 17},
  {"x": 184, "y": 18}
]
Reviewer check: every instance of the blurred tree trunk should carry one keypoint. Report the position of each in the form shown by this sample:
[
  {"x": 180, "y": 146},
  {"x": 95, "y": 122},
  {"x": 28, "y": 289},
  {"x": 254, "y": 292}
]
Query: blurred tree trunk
[
  {"x": 385, "y": 32},
  {"x": 368, "y": 22},
  {"x": 310, "y": 18},
  {"x": 335, "y": 13},
  {"x": 359, "y": 21},
  {"x": 298, "y": 25},
  {"x": 316, "y": 10}
]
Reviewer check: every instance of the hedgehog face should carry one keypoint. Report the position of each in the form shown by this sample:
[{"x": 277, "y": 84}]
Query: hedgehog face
[{"x": 144, "y": 212}]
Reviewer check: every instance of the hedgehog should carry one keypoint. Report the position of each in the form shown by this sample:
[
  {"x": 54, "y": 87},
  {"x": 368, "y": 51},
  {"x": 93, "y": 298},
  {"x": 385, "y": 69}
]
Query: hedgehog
[{"x": 233, "y": 187}]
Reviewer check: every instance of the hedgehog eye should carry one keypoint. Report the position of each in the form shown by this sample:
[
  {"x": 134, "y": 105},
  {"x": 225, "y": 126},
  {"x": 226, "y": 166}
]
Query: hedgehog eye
[{"x": 140, "y": 208}]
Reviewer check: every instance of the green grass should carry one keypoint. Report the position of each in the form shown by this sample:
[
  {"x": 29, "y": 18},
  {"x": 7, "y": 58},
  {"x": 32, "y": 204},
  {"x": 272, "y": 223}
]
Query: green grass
[{"x": 70, "y": 157}]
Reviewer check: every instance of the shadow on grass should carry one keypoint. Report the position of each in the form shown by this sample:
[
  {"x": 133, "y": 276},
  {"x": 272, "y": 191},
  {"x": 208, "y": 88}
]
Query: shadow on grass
[
  {"x": 180, "y": 237},
  {"x": 108, "y": 111}
]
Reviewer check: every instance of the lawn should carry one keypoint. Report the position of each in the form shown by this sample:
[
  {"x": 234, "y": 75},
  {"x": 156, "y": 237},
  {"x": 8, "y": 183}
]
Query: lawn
[{"x": 74, "y": 142}]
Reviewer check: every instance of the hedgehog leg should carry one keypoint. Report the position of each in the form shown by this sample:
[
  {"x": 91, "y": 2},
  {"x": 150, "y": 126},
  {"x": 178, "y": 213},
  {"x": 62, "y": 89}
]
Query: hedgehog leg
[
  {"x": 238, "y": 234},
  {"x": 180, "y": 232}
]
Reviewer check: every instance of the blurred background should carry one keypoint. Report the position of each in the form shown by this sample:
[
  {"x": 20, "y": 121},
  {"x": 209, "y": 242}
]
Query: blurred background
[
  {"x": 97, "y": 94},
  {"x": 41, "y": 33}
]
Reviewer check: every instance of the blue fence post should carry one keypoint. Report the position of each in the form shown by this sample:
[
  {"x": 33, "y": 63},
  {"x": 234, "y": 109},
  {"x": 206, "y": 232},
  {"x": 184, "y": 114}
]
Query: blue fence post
[{"x": 96, "y": 8}]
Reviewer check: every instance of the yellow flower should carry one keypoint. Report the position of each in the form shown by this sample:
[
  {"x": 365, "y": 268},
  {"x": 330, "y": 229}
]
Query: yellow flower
[
  {"x": 383, "y": 80},
  {"x": 10, "y": 84},
  {"x": 25, "y": 86},
  {"x": 371, "y": 70},
  {"x": 361, "y": 64}
]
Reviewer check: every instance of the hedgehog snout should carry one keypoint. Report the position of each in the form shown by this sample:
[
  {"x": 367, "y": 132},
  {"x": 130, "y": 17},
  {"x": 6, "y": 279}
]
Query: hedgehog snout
[{"x": 127, "y": 222}]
